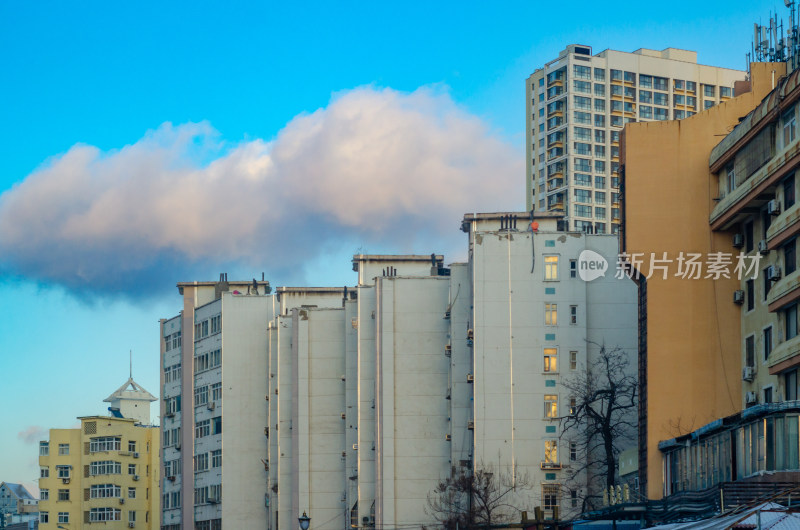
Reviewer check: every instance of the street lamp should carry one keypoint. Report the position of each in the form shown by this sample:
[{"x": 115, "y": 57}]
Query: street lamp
[{"x": 304, "y": 521}]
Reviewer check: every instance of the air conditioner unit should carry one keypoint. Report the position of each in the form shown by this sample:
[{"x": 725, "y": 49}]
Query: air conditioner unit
[
  {"x": 213, "y": 500},
  {"x": 773, "y": 273},
  {"x": 135, "y": 455},
  {"x": 550, "y": 465},
  {"x": 448, "y": 350},
  {"x": 131, "y": 525},
  {"x": 748, "y": 373},
  {"x": 211, "y": 405},
  {"x": 471, "y": 425},
  {"x": 355, "y": 447},
  {"x": 738, "y": 240},
  {"x": 65, "y": 480},
  {"x": 738, "y": 297},
  {"x": 470, "y": 378},
  {"x": 169, "y": 415},
  {"x": 344, "y": 415},
  {"x": 136, "y": 477},
  {"x": 750, "y": 398},
  {"x": 773, "y": 207},
  {"x": 178, "y": 446},
  {"x": 171, "y": 478},
  {"x": 447, "y": 437},
  {"x": 121, "y": 500},
  {"x": 762, "y": 247},
  {"x": 344, "y": 454}
]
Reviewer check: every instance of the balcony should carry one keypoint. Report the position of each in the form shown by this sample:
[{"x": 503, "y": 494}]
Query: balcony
[
  {"x": 556, "y": 206},
  {"x": 555, "y": 114},
  {"x": 784, "y": 291},
  {"x": 550, "y": 465},
  {"x": 554, "y": 184},
  {"x": 557, "y": 143},
  {"x": 783, "y": 227},
  {"x": 784, "y": 355}
]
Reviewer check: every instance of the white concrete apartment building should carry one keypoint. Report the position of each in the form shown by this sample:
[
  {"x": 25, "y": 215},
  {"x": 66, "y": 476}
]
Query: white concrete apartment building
[
  {"x": 577, "y": 105},
  {"x": 213, "y": 360},
  {"x": 374, "y": 392}
]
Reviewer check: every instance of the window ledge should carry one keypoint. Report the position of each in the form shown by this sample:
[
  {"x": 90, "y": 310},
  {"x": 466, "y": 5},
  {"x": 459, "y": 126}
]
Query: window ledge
[
  {"x": 782, "y": 288},
  {"x": 784, "y": 351}
]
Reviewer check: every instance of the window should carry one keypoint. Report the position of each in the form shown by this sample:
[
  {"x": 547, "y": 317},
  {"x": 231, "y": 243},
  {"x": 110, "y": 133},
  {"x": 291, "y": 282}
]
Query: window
[
  {"x": 768, "y": 395},
  {"x": 44, "y": 472},
  {"x": 202, "y": 428},
  {"x": 551, "y": 451},
  {"x": 63, "y": 471},
  {"x": 599, "y": 105},
  {"x": 600, "y": 228},
  {"x": 600, "y": 182},
  {"x": 691, "y": 86},
  {"x": 788, "y": 192},
  {"x": 748, "y": 236},
  {"x": 583, "y": 134},
  {"x": 790, "y": 256},
  {"x": 790, "y": 316},
  {"x": 63, "y": 449},
  {"x": 583, "y": 118},
  {"x": 790, "y": 384},
  {"x": 582, "y": 103},
  {"x": 105, "y": 467},
  {"x": 725, "y": 91},
  {"x": 629, "y": 93},
  {"x": 573, "y": 268},
  {"x": 600, "y": 136},
  {"x": 630, "y": 77},
  {"x": 600, "y": 196},
  {"x": 131, "y": 469},
  {"x": 131, "y": 516},
  {"x": 44, "y": 448},
  {"x": 582, "y": 179},
  {"x": 708, "y": 104},
  {"x": 216, "y": 391},
  {"x": 573, "y": 498},
  {"x": 583, "y": 149},
  {"x": 201, "y": 395},
  {"x": 550, "y": 406},
  {"x": 550, "y": 360},
  {"x": 616, "y": 75},
  {"x": 551, "y": 268},
  {"x": 105, "y": 443},
  {"x": 645, "y": 96},
  {"x": 660, "y": 83},
  {"x": 751, "y": 295},
  {"x": 582, "y": 211},
  {"x": 131, "y": 493},
  {"x": 44, "y": 494},
  {"x": 599, "y": 120},
  {"x": 550, "y": 314},
  {"x": 216, "y": 322},
  {"x": 104, "y": 491},
  {"x": 709, "y": 91},
  {"x": 646, "y": 81},
  {"x": 573, "y": 451},
  {"x": 207, "y": 361},
  {"x": 599, "y": 74},
  {"x": 679, "y": 99},
  {"x": 691, "y": 101},
  {"x": 599, "y": 90},
  {"x": 573, "y": 360},
  {"x": 767, "y": 282},
  {"x": 550, "y": 496},
  {"x": 573, "y": 314},
  {"x": 44, "y": 517},
  {"x": 646, "y": 112},
  {"x": 201, "y": 462},
  {"x": 660, "y": 99},
  {"x": 216, "y": 425},
  {"x": 678, "y": 84},
  {"x": 661, "y": 114},
  {"x": 599, "y": 166},
  {"x": 573, "y": 406},
  {"x": 750, "y": 351},
  {"x": 583, "y": 195},
  {"x": 63, "y": 494},
  {"x": 582, "y": 86},
  {"x": 97, "y": 515},
  {"x": 216, "y": 458},
  {"x": 767, "y": 341}
]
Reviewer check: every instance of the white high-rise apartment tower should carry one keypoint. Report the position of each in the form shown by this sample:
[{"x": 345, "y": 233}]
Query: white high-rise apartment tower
[{"x": 577, "y": 106}]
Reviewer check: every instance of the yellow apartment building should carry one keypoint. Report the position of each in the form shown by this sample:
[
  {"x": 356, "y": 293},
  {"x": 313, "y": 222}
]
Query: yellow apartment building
[
  {"x": 106, "y": 472},
  {"x": 690, "y": 330}
]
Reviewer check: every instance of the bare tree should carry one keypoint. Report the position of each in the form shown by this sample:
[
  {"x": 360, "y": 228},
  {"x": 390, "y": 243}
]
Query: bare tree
[
  {"x": 478, "y": 499},
  {"x": 602, "y": 420}
]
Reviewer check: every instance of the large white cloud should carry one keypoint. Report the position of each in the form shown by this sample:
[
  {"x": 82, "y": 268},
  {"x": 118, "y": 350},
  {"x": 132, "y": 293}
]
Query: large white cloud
[{"x": 375, "y": 166}]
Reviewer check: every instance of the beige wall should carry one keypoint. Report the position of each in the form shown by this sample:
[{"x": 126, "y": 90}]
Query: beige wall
[{"x": 693, "y": 327}]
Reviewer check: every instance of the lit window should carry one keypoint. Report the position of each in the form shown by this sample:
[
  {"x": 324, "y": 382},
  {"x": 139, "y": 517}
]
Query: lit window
[
  {"x": 550, "y": 360},
  {"x": 550, "y": 406},
  {"x": 551, "y": 268},
  {"x": 551, "y": 451},
  {"x": 550, "y": 314}
]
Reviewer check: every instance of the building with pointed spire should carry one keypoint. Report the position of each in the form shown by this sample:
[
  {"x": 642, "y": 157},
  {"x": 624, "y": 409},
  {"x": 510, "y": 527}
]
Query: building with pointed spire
[{"x": 106, "y": 471}]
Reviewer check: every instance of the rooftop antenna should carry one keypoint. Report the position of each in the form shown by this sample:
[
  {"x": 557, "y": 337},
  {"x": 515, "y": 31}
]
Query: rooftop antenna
[{"x": 130, "y": 358}]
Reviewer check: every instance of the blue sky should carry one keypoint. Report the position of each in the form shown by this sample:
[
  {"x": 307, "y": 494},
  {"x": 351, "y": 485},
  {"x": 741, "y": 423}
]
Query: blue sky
[{"x": 312, "y": 89}]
